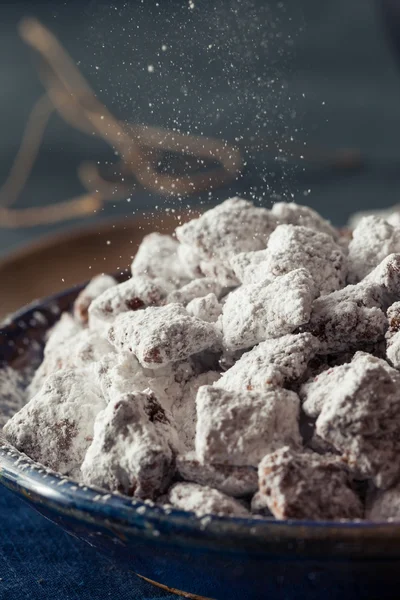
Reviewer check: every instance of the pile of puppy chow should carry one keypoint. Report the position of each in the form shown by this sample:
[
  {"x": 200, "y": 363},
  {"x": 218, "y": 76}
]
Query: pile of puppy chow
[{"x": 249, "y": 367}]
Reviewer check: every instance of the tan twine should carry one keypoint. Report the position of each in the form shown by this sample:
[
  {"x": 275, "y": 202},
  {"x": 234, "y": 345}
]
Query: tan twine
[{"x": 139, "y": 147}]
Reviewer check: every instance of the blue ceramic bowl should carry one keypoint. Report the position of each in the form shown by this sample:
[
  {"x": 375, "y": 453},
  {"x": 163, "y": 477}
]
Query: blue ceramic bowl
[{"x": 221, "y": 558}]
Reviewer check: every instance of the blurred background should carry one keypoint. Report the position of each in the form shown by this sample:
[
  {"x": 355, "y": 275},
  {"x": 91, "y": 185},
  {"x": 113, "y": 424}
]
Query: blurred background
[{"x": 307, "y": 91}]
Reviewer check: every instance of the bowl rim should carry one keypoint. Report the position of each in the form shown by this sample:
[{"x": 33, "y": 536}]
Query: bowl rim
[{"x": 39, "y": 484}]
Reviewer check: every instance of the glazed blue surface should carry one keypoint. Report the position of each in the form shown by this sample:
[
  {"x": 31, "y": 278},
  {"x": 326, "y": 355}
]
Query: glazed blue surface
[{"x": 220, "y": 558}]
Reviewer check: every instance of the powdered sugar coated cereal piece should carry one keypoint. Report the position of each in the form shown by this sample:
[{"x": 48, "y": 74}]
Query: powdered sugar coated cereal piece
[
  {"x": 231, "y": 227},
  {"x": 190, "y": 261},
  {"x": 349, "y": 318},
  {"x": 394, "y": 218},
  {"x": 347, "y": 326},
  {"x": 169, "y": 382},
  {"x": 184, "y": 407},
  {"x": 95, "y": 287},
  {"x": 320, "y": 389},
  {"x": 159, "y": 336},
  {"x": 134, "y": 294},
  {"x": 13, "y": 392},
  {"x": 393, "y": 335},
  {"x": 122, "y": 374},
  {"x": 133, "y": 447},
  {"x": 258, "y": 311},
  {"x": 292, "y": 247},
  {"x": 64, "y": 330},
  {"x": 250, "y": 267},
  {"x": 373, "y": 240},
  {"x": 239, "y": 428},
  {"x": 57, "y": 351},
  {"x": 273, "y": 362},
  {"x": 204, "y": 500},
  {"x": 393, "y": 315},
  {"x": 198, "y": 288},
  {"x": 80, "y": 351},
  {"x": 219, "y": 271},
  {"x": 157, "y": 257},
  {"x": 315, "y": 391},
  {"x": 296, "y": 214},
  {"x": 384, "y": 505},
  {"x": 50, "y": 364},
  {"x": 384, "y": 281},
  {"x": 56, "y": 426},
  {"x": 232, "y": 481},
  {"x": 89, "y": 347},
  {"x": 195, "y": 266},
  {"x": 361, "y": 419},
  {"x": 303, "y": 485},
  {"x": 206, "y": 308},
  {"x": 361, "y": 360},
  {"x": 391, "y": 215}
]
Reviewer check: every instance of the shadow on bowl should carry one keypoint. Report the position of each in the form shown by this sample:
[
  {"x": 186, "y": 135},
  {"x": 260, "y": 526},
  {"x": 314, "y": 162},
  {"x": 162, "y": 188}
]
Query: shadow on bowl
[{"x": 217, "y": 557}]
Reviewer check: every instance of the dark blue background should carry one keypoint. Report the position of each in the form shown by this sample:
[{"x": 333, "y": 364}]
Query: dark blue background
[{"x": 336, "y": 84}]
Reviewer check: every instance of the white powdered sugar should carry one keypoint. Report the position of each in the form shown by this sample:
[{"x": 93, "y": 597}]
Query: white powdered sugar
[
  {"x": 158, "y": 257},
  {"x": 302, "y": 485},
  {"x": 239, "y": 428},
  {"x": 13, "y": 392},
  {"x": 222, "y": 232},
  {"x": 160, "y": 336},
  {"x": 138, "y": 292},
  {"x": 258, "y": 311},
  {"x": 361, "y": 420},
  {"x": 293, "y": 247},
  {"x": 373, "y": 239},
  {"x": 183, "y": 408},
  {"x": 56, "y": 426},
  {"x": 296, "y": 214},
  {"x": 204, "y": 500},
  {"x": 133, "y": 447},
  {"x": 95, "y": 288},
  {"x": 207, "y": 308},
  {"x": 393, "y": 335},
  {"x": 273, "y": 362},
  {"x": 196, "y": 289}
]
